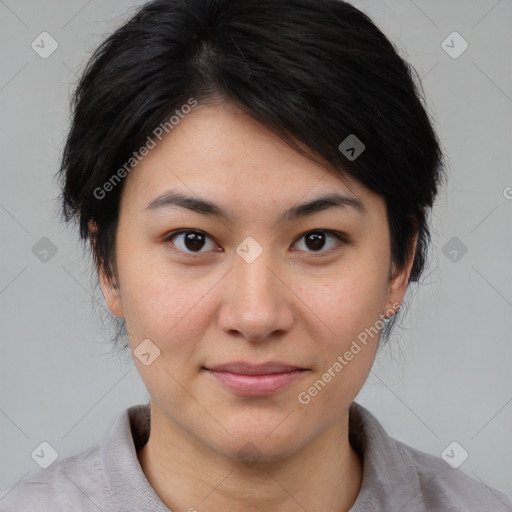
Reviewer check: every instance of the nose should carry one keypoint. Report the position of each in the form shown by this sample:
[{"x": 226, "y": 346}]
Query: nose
[{"x": 256, "y": 303}]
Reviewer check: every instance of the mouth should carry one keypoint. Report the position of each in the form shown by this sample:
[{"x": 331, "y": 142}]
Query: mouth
[{"x": 255, "y": 380}]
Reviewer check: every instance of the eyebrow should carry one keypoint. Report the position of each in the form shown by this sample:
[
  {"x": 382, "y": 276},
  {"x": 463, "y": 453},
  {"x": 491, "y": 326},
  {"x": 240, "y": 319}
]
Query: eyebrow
[{"x": 171, "y": 199}]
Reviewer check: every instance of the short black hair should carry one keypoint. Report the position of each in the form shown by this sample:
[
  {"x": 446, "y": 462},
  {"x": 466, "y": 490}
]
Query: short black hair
[{"x": 313, "y": 71}]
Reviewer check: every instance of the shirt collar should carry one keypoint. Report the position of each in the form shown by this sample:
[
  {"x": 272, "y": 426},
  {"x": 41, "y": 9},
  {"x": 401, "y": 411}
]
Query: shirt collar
[
  {"x": 128, "y": 484},
  {"x": 390, "y": 477}
]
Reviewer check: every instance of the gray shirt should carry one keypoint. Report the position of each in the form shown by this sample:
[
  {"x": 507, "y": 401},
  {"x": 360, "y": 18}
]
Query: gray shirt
[{"x": 108, "y": 477}]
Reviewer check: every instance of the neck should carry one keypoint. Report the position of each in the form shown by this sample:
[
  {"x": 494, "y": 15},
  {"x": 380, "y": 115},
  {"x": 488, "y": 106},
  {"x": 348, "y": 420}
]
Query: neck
[{"x": 187, "y": 475}]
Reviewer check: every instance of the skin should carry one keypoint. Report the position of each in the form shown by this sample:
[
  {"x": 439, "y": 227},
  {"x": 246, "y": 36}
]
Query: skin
[{"x": 293, "y": 304}]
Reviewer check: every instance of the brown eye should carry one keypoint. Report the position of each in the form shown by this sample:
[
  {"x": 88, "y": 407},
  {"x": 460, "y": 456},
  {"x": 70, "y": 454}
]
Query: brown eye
[
  {"x": 316, "y": 241},
  {"x": 191, "y": 241}
]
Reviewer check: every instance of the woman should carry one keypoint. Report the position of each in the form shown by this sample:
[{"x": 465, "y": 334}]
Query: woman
[{"x": 255, "y": 180}]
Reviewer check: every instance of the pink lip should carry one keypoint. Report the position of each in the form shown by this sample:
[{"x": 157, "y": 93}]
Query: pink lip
[{"x": 256, "y": 380}]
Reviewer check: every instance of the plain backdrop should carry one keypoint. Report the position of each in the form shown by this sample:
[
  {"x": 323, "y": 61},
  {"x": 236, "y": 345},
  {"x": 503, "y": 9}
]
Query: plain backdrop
[{"x": 445, "y": 375}]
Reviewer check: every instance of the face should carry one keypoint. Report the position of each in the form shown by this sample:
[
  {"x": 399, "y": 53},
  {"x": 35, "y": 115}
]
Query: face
[{"x": 248, "y": 280}]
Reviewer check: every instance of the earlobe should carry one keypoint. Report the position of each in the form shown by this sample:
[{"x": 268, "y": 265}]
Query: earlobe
[{"x": 397, "y": 289}]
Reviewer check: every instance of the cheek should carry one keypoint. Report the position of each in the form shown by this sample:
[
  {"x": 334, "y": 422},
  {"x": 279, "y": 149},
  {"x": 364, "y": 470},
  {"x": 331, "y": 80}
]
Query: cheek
[
  {"x": 349, "y": 302},
  {"x": 350, "y": 306},
  {"x": 171, "y": 311},
  {"x": 162, "y": 305}
]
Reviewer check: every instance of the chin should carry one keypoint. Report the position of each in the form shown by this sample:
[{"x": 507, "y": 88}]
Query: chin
[{"x": 263, "y": 442}]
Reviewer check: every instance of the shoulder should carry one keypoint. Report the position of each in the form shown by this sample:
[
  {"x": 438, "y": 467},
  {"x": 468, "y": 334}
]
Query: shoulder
[
  {"x": 105, "y": 477},
  {"x": 73, "y": 483},
  {"x": 442, "y": 487},
  {"x": 399, "y": 477}
]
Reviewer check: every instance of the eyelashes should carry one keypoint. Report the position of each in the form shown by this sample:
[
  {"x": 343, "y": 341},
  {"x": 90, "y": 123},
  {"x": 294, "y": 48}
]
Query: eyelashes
[{"x": 187, "y": 240}]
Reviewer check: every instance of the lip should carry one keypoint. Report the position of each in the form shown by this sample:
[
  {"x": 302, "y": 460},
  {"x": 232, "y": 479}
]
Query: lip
[
  {"x": 243, "y": 368},
  {"x": 256, "y": 380}
]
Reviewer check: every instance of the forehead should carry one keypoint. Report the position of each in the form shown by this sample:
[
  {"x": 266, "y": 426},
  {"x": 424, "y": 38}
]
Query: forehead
[{"x": 222, "y": 152}]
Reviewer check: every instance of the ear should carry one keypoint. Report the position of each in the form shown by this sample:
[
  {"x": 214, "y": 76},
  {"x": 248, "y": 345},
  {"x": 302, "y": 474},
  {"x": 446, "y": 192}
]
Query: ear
[
  {"x": 109, "y": 287},
  {"x": 399, "y": 281},
  {"x": 111, "y": 294}
]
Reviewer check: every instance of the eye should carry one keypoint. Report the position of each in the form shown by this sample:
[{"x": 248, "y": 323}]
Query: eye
[
  {"x": 190, "y": 240},
  {"x": 316, "y": 240}
]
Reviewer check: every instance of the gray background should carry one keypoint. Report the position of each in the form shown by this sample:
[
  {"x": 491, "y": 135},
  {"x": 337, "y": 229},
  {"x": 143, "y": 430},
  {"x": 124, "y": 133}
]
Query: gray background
[{"x": 445, "y": 376}]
